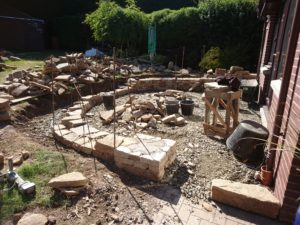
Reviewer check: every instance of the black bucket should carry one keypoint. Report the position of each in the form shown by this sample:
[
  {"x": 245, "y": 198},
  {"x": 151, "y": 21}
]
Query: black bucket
[
  {"x": 187, "y": 107},
  {"x": 172, "y": 108},
  {"x": 108, "y": 101}
]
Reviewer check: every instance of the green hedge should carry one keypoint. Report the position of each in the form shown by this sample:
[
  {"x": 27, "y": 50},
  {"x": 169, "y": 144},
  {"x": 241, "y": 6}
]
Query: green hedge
[{"x": 230, "y": 25}]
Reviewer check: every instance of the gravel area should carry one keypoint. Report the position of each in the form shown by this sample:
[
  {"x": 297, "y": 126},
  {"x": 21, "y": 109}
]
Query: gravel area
[{"x": 199, "y": 158}]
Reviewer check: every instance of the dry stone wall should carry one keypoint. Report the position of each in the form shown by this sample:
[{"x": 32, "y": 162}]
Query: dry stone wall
[{"x": 142, "y": 155}]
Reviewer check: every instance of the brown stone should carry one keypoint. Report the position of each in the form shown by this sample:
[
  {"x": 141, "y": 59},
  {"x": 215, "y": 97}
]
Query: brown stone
[
  {"x": 146, "y": 118},
  {"x": 4, "y": 103},
  {"x": 73, "y": 179},
  {"x": 169, "y": 119},
  {"x": 20, "y": 90},
  {"x": 249, "y": 197},
  {"x": 25, "y": 155},
  {"x": 17, "y": 160},
  {"x": 33, "y": 219}
]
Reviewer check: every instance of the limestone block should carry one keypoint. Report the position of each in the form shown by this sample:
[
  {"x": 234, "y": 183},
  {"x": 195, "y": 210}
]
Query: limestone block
[
  {"x": 97, "y": 135},
  {"x": 249, "y": 197},
  {"x": 85, "y": 145},
  {"x": 84, "y": 130},
  {"x": 73, "y": 179},
  {"x": 75, "y": 123},
  {"x": 77, "y": 112},
  {"x": 105, "y": 147},
  {"x": 69, "y": 138},
  {"x": 145, "y": 155}
]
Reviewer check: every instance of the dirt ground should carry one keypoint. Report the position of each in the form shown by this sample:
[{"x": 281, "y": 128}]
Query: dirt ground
[{"x": 115, "y": 195}]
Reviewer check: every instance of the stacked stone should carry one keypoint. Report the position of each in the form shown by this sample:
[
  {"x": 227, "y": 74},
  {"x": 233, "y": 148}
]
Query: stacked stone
[
  {"x": 161, "y": 84},
  {"x": 145, "y": 156},
  {"x": 130, "y": 154},
  {"x": 4, "y": 110}
]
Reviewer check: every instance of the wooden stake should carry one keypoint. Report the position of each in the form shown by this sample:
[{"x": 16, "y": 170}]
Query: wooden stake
[{"x": 114, "y": 87}]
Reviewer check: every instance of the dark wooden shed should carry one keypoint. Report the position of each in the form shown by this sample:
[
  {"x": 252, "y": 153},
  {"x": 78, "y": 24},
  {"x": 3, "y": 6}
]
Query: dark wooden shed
[{"x": 19, "y": 31}]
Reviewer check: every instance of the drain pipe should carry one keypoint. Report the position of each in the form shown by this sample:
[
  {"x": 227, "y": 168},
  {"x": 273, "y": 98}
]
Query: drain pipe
[{"x": 284, "y": 86}]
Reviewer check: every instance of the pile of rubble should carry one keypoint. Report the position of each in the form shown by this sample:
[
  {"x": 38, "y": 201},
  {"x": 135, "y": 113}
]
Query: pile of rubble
[
  {"x": 60, "y": 73},
  {"x": 142, "y": 114},
  {"x": 234, "y": 71}
]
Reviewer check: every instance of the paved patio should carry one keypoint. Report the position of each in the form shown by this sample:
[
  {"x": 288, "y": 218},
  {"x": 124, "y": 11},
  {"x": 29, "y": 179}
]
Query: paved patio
[{"x": 176, "y": 209}]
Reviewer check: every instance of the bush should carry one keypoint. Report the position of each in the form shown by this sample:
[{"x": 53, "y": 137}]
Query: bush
[
  {"x": 123, "y": 28},
  {"x": 211, "y": 59},
  {"x": 223, "y": 23}
]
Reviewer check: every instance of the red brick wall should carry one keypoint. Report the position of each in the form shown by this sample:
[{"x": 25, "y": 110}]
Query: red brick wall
[{"x": 287, "y": 177}]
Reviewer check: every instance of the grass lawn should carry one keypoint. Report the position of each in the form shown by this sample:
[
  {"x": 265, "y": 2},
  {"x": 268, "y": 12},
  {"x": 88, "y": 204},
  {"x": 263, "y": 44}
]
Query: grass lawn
[
  {"x": 29, "y": 60},
  {"x": 46, "y": 165}
]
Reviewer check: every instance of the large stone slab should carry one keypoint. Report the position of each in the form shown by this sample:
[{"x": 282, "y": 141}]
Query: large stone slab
[
  {"x": 73, "y": 179},
  {"x": 249, "y": 197},
  {"x": 145, "y": 155}
]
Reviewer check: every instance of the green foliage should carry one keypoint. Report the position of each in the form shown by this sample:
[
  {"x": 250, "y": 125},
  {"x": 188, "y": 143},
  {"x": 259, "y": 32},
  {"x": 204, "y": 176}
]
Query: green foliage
[
  {"x": 40, "y": 171},
  {"x": 211, "y": 59},
  {"x": 228, "y": 24},
  {"x": 124, "y": 28}
]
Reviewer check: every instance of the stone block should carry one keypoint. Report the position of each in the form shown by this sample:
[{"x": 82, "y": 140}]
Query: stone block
[
  {"x": 85, "y": 145},
  {"x": 84, "y": 130},
  {"x": 249, "y": 197},
  {"x": 145, "y": 155},
  {"x": 104, "y": 147},
  {"x": 69, "y": 138},
  {"x": 4, "y": 103},
  {"x": 74, "y": 123},
  {"x": 73, "y": 179}
]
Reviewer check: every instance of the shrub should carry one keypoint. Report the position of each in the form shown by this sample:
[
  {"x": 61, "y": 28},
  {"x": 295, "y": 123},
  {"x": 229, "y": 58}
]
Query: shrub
[
  {"x": 220, "y": 23},
  {"x": 124, "y": 28},
  {"x": 211, "y": 59}
]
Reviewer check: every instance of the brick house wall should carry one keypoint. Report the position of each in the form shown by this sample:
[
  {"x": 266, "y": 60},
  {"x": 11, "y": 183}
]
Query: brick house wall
[
  {"x": 286, "y": 163},
  {"x": 287, "y": 182}
]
